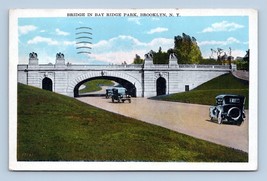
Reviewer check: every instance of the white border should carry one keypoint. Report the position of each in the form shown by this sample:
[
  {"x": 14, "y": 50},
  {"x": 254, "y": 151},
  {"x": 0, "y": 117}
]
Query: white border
[{"x": 133, "y": 166}]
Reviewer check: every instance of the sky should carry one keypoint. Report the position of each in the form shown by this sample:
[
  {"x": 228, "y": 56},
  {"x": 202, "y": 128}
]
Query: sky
[{"x": 118, "y": 39}]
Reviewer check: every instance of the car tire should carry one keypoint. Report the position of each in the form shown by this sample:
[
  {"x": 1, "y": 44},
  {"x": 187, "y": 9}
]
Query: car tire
[{"x": 234, "y": 113}]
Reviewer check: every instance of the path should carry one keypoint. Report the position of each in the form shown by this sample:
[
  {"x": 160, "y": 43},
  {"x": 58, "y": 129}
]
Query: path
[
  {"x": 244, "y": 75},
  {"x": 190, "y": 119}
]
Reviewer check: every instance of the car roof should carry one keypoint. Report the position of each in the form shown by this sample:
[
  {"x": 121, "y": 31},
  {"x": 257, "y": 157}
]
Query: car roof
[
  {"x": 228, "y": 95},
  {"x": 119, "y": 88}
]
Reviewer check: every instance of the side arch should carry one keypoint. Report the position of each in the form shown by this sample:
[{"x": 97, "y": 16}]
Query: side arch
[
  {"x": 47, "y": 84},
  {"x": 94, "y": 74}
]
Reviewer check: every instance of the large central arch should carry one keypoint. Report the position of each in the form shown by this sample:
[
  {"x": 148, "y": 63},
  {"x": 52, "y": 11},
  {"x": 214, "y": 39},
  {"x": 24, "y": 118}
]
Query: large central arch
[
  {"x": 129, "y": 82},
  {"x": 131, "y": 89}
]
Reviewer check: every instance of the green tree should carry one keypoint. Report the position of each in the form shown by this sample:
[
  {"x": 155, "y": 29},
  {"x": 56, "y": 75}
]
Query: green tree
[
  {"x": 138, "y": 60},
  {"x": 160, "y": 57},
  {"x": 186, "y": 49}
]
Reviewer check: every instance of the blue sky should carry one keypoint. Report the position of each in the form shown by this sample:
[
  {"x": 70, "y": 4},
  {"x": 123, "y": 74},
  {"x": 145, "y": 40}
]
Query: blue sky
[{"x": 118, "y": 39}]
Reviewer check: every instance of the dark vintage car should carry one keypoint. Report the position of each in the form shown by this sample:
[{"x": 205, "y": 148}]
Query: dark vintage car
[
  {"x": 120, "y": 94},
  {"x": 228, "y": 108},
  {"x": 109, "y": 92}
]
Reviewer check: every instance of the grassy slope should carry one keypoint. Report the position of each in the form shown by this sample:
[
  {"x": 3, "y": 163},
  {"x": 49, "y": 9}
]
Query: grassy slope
[
  {"x": 95, "y": 85},
  {"x": 206, "y": 93},
  {"x": 53, "y": 127}
]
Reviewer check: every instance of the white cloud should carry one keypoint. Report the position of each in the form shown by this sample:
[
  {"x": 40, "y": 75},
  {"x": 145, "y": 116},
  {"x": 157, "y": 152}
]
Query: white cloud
[
  {"x": 67, "y": 43},
  {"x": 124, "y": 48},
  {"x": 26, "y": 29},
  {"x": 63, "y": 33},
  {"x": 222, "y": 26},
  {"x": 229, "y": 40},
  {"x": 39, "y": 39},
  {"x": 117, "y": 57},
  {"x": 157, "y": 30},
  {"x": 135, "y": 20}
]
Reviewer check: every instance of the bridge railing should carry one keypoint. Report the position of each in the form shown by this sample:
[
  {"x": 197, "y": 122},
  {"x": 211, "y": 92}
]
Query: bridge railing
[{"x": 126, "y": 66}]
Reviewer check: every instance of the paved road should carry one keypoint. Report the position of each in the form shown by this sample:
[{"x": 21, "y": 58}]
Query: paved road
[
  {"x": 190, "y": 119},
  {"x": 244, "y": 75}
]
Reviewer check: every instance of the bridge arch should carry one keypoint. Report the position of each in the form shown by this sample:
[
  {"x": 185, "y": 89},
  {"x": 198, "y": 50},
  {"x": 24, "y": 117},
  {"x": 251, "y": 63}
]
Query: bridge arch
[
  {"x": 47, "y": 84},
  {"x": 161, "y": 86},
  {"x": 126, "y": 80}
]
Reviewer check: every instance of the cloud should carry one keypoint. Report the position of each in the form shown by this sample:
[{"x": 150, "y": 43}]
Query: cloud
[
  {"x": 26, "y": 29},
  {"x": 135, "y": 20},
  {"x": 222, "y": 26},
  {"x": 157, "y": 30},
  {"x": 61, "y": 33},
  {"x": 117, "y": 57},
  {"x": 230, "y": 40},
  {"x": 124, "y": 48},
  {"x": 39, "y": 39},
  {"x": 68, "y": 43}
]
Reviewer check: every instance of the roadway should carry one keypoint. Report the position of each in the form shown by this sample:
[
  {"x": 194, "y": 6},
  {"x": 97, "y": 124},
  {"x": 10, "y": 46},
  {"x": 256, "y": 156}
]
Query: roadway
[{"x": 190, "y": 119}]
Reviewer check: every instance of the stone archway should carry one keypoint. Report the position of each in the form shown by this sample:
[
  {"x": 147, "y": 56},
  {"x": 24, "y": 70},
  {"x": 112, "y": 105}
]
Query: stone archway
[
  {"x": 131, "y": 89},
  {"x": 161, "y": 86},
  {"x": 47, "y": 84},
  {"x": 127, "y": 81}
]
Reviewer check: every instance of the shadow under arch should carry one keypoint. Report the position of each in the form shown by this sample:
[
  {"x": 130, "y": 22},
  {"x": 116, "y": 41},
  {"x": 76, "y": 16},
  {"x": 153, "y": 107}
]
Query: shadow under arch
[
  {"x": 131, "y": 89},
  {"x": 161, "y": 86},
  {"x": 47, "y": 84}
]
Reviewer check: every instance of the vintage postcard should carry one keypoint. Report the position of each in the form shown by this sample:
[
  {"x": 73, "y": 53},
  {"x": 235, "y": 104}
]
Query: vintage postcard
[{"x": 133, "y": 89}]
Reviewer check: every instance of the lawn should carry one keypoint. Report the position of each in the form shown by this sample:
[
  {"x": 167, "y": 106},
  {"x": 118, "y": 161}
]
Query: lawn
[
  {"x": 95, "y": 85},
  {"x": 53, "y": 127},
  {"x": 206, "y": 93}
]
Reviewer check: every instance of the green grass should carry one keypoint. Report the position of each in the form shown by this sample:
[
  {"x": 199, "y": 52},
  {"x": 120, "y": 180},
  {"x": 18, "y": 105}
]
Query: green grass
[
  {"x": 206, "y": 93},
  {"x": 53, "y": 127},
  {"x": 95, "y": 85}
]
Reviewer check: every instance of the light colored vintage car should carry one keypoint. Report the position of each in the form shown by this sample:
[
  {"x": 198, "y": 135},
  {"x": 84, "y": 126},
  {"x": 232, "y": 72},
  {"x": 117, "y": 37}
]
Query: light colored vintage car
[{"x": 228, "y": 108}]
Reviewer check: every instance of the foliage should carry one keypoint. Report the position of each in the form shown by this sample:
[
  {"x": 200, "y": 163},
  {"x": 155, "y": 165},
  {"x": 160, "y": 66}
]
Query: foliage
[
  {"x": 160, "y": 57},
  {"x": 53, "y": 127},
  {"x": 187, "y": 50},
  {"x": 95, "y": 85},
  {"x": 244, "y": 64},
  {"x": 138, "y": 60},
  {"x": 209, "y": 61}
]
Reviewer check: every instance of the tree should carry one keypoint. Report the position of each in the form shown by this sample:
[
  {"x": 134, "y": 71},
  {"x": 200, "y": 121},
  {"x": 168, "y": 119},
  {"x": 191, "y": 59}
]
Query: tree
[
  {"x": 160, "y": 57},
  {"x": 138, "y": 60},
  {"x": 186, "y": 49}
]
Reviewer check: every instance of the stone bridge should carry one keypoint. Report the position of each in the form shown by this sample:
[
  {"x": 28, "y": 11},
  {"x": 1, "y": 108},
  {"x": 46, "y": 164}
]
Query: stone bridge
[{"x": 144, "y": 80}]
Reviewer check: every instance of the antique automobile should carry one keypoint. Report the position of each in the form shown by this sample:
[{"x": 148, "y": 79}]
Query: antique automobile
[
  {"x": 228, "y": 108},
  {"x": 120, "y": 94},
  {"x": 109, "y": 92}
]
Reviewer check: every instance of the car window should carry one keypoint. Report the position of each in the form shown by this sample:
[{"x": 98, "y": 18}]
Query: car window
[
  {"x": 219, "y": 101},
  {"x": 234, "y": 100}
]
